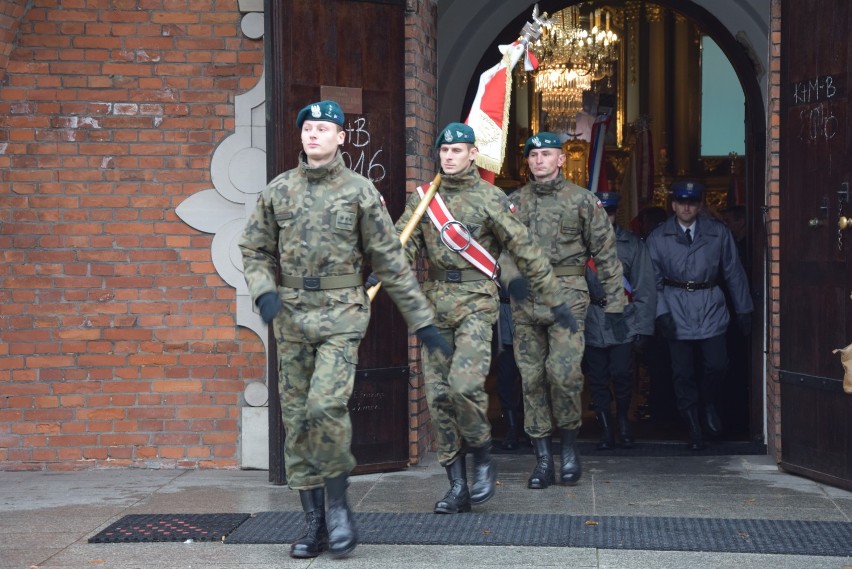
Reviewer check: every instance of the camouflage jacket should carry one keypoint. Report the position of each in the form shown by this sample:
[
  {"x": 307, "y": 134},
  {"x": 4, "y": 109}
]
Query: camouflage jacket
[
  {"x": 328, "y": 221},
  {"x": 488, "y": 215},
  {"x": 571, "y": 226}
]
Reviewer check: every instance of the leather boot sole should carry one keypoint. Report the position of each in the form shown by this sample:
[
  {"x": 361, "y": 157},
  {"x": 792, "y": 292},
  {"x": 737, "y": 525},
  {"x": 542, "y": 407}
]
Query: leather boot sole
[
  {"x": 482, "y": 499},
  {"x": 303, "y": 554},
  {"x": 461, "y": 509},
  {"x": 541, "y": 482},
  {"x": 340, "y": 553},
  {"x": 540, "y": 485},
  {"x": 570, "y": 479}
]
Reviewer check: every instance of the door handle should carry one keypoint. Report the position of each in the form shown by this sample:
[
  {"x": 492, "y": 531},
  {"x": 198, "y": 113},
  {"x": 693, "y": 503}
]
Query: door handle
[{"x": 844, "y": 223}]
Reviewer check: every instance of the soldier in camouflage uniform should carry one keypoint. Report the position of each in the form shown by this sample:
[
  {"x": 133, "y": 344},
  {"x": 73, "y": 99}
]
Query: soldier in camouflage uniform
[
  {"x": 572, "y": 227},
  {"x": 314, "y": 227},
  {"x": 466, "y": 306}
]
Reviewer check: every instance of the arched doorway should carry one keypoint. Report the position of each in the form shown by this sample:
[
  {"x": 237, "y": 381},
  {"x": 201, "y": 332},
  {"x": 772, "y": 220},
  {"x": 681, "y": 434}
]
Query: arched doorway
[{"x": 469, "y": 33}]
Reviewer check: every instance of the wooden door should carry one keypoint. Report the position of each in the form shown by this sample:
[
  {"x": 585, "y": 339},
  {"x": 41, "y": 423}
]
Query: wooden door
[
  {"x": 816, "y": 415},
  {"x": 352, "y": 52}
]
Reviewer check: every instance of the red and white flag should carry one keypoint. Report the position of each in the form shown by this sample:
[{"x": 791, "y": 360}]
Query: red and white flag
[{"x": 489, "y": 114}]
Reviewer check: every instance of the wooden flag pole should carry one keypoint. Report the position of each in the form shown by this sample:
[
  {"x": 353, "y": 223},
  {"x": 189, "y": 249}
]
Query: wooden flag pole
[{"x": 406, "y": 232}]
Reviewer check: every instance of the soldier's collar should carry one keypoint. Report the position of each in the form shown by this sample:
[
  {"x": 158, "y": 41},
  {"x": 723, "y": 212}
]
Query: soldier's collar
[
  {"x": 547, "y": 186},
  {"x": 464, "y": 179},
  {"x": 330, "y": 169}
]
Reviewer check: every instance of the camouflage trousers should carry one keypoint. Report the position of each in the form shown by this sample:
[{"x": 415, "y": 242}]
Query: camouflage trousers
[
  {"x": 315, "y": 382},
  {"x": 455, "y": 387},
  {"x": 550, "y": 358}
]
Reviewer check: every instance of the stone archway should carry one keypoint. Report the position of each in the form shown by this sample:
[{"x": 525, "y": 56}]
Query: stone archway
[{"x": 470, "y": 30}]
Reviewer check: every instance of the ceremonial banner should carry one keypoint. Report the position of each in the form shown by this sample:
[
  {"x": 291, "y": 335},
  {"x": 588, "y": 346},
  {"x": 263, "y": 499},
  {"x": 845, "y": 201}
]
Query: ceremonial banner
[{"x": 489, "y": 114}]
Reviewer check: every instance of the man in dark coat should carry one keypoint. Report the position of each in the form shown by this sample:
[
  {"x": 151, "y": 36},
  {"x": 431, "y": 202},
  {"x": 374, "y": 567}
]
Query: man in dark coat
[{"x": 692, "y": 255}]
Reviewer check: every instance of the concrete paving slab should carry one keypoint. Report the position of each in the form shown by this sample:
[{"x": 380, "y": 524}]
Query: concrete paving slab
[
  {"x": 624, "y": 559},
  {"x": 48, "y": 516},
  {"x": 36, "y": 490}
]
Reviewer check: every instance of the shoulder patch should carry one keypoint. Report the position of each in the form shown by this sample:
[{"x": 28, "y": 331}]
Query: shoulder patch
[
  {"x": 512, "y": 207},
  {"x": 599, "y": 204}
]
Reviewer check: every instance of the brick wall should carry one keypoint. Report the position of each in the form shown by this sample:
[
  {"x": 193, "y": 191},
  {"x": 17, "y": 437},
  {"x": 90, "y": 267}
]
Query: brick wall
[
  {"x": 421, "y": 109},
  {"x": 773, "y": 174},
  {"x": 118, "y": 342},
  {"x": 10, "y": 18}
]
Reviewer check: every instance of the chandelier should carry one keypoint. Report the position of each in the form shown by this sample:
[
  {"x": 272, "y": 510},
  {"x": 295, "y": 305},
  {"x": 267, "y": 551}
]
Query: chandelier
[{"x": 573, "y": 51}]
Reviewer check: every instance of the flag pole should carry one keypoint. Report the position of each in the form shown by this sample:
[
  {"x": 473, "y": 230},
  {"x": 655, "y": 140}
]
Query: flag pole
[{"x": 406, "y": 232}]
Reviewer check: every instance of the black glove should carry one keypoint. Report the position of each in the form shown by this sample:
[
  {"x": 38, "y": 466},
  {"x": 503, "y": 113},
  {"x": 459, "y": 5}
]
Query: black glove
[
  {"x": 519, "y": 289},
  {"x": 666, "y": 326},
  {"x": 744, "y": 322},
  {"x": 641, "y": 343},
  {"x": 617, "y": 322},
  {"x": 432, "y": 339},
  {"x": 269, "y": 305},
  {"x": 562, "y": 315},
  {"x": 372, "y": 280}
]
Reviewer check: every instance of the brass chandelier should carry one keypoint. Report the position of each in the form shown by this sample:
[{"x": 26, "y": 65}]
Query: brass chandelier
[{"x": 573, "y": 51}]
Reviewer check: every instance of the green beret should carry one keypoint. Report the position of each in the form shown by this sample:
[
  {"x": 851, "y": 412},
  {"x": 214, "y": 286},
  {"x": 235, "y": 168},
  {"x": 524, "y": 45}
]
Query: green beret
[
  {"x": 542, "y": 140},
  {"x": 454, "y": 133},
  {"x": 328, "y": 111}
]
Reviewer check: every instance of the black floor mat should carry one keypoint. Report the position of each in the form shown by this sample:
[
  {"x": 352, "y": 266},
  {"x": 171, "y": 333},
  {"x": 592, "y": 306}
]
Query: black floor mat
[
  {"x": 587, "y": 448},
  {"x": 170, "y": 527},
  {"x": 551, "y": 530}
]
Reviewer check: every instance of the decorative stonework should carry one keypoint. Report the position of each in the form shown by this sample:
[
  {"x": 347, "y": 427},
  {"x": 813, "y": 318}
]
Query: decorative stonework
[{"x": 238, "y": 173}]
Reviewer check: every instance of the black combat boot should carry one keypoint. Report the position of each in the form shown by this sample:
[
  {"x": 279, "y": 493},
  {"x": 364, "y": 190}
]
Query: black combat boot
[
  {"x": 457, "y": 499},
  {"x": 571, "y": 467},
  {"x": 607, "y": 441},
  {"x": 315, "y": 539},
  {"x": 484, "y": 474},
  {"x": 544, "y": 473},
  {"x": 696, "y": 439},
  {"x": 622, "y": 409},
  {"x": 510, "y": 441},
  {"x": 342, "y": 537},
  {"x": 712, "y": 420}
]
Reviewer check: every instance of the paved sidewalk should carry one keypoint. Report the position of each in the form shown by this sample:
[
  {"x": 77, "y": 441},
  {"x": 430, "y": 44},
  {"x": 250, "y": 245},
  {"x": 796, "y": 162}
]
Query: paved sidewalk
[{"x": 47, "y": 517}]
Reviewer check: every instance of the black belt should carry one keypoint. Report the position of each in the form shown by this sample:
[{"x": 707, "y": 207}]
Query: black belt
[
  {"x": 598, "y": 301},
  {"x": 322, "y": 283},
  {"x": 691, "y": 286},
  {"x": 456, "y": 276}
]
